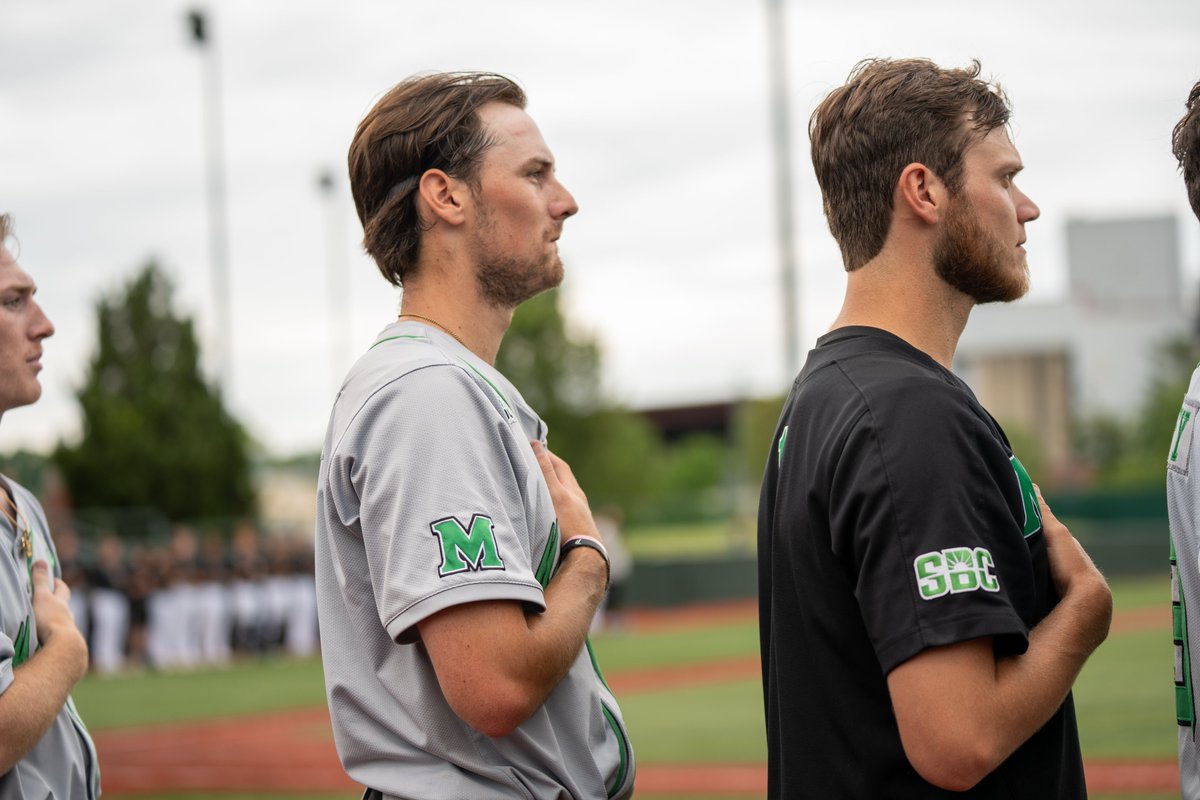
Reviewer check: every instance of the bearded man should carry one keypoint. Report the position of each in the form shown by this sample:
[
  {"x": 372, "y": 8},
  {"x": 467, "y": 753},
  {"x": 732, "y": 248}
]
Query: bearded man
[
  {"x": 923, "y": 615},
  {"x": 458, "y": 565}
]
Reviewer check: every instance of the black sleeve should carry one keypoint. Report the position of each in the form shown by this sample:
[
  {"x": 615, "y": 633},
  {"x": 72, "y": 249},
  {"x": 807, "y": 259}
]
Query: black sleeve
[{"x": 921, "y": 513}]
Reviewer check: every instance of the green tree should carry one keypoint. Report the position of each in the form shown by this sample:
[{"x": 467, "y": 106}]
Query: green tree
[
  {"x": 155, "y": 434},
  {"x": 1130, "y": 454},
  {"x": 615, "y": 454}
]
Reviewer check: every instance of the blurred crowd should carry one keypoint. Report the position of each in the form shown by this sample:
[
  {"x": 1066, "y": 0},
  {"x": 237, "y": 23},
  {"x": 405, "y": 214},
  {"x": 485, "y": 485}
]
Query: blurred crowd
[{"x": 191, "y": 601}]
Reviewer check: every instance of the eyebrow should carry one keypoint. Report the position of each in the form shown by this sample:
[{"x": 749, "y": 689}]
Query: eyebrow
[
  {"x": 540, "y": 161},
  {"x": 1011, "y": 167},
  {"x": 20, "y": 286}
]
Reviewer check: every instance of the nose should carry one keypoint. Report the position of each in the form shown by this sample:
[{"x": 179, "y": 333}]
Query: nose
[
  {"x": 564, "y": 205},
  {"x": 41, "y": 326},
  {"x": 1027, "y": 210}
]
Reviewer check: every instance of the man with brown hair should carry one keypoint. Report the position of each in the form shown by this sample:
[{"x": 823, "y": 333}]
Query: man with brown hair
[
  {"x": 45, "y": 751},
  {"x": 923, "y": 615},
  {"x": 1183, "y": 502},
  {"x": 458, "y": 565}
]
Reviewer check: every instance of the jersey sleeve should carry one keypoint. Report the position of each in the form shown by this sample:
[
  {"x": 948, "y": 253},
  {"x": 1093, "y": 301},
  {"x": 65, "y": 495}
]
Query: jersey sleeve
[
  {"x": 922, "y": 511},
  {"x": 7, "y": 651},
  {"x": 434, "y": 475}
]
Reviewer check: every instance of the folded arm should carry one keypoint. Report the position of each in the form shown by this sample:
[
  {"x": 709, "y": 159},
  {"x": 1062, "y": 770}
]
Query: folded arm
[
  {"x": 962, "y": 711},
  {"x": 521, "y": 656},
  {"x": 41, "y": 685}
]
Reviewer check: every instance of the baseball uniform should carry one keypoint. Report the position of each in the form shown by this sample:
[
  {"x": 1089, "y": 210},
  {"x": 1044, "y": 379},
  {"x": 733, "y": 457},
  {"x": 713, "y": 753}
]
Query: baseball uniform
[
  {"x": 894, "y": 517},
  {"x": 1183, "y": 494},
  {"x": 63, "y": 762},
  {"x": 430, "y": 496}
]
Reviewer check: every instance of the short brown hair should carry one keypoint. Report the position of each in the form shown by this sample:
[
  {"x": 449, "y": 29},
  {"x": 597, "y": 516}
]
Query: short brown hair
[
  {"x": 889, "y": 114},
  {"x": 427, "y": 121},
  {"x": 5, "y": 228},
  {"x": 1185, "y": 144}
]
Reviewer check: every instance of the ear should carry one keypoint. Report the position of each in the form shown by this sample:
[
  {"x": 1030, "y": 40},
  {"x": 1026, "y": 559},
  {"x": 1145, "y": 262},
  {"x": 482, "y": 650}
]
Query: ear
[
  {"x": 443, "y": 196},
  {"x": 921, "y": 192}
]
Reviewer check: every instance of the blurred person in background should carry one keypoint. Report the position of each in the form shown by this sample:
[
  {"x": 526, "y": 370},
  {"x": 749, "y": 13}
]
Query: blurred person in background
[
  {"x": 75, "y": 575},
  {"x": 109, "y": 581},
  {"x": 45, "y": 750},
  {"x": 1183, "y": 501},
  {"x": 453, "y": 622},
  {"x": 300, "y": 627},
  {"x": 214, "y": 600},
  {"x": 247, "y": 572},
  {"x": 611, "y": 614},
  {"x": 185, "y": 608},
  {"x": 923, "y": 615}
]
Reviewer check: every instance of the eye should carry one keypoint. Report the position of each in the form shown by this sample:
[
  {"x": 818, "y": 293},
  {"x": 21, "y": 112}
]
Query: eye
[{"x": 14, "y": 303}]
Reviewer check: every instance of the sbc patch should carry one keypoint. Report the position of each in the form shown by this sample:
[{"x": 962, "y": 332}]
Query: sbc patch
[
  {"x": 954, "y": 571},
  {"x": 1180, "y": 457}
]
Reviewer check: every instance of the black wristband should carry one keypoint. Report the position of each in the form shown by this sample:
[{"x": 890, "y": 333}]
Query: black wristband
[{"x": 587, "y": 541}]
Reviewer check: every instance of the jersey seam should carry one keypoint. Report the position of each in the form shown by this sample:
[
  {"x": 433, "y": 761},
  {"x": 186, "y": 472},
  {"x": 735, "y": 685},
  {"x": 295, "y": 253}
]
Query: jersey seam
[
  {"x": 445, "y": 589},
  {"x": 869, "y": 412},
  {"x": 375, "y": 393}
]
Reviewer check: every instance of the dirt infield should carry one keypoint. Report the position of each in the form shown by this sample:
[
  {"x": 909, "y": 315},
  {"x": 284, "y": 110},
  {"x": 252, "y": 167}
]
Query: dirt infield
[{"x": 293, "y": 751}]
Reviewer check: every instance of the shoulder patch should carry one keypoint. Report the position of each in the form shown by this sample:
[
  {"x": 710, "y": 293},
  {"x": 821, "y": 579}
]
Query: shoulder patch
[
  {"x": 954, "y": 571},
  {"x": 1180, "y": 457},
  {"x": 464, "y": 549}
]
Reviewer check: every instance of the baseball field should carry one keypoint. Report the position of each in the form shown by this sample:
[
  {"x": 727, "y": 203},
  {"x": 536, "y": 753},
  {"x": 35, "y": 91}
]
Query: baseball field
[{"x": 687, "y": 681}]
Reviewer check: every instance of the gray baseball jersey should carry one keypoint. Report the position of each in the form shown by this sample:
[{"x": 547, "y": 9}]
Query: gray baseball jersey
[
  {"x": 63, "y": 762},
  {"x": 1183, "y": 506},
  {"x": 430, "y": 496}
]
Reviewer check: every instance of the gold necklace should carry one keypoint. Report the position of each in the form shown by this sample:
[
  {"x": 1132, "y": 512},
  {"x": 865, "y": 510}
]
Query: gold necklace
[
  {"x": 436, "y": 324},
  {"x": 24, "y": 533}
]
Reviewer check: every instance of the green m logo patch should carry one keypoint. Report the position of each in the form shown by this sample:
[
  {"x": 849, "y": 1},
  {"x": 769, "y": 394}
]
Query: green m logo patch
[
  {"x": 1033, "y": 512},
  {"x": 462, "y": 549}
]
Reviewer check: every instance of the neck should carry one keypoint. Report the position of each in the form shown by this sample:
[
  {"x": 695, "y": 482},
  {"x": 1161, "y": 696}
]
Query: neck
[
  {"x": 909, "y": 301},
  {"x": 459, "y": 311}
]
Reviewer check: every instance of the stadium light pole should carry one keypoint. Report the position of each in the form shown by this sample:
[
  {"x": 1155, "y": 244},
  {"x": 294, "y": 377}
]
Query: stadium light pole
[
  {"x": 781, "y": 141},
  {"x": 339, "y": 291},
  {"x": 218, "y": 229}
]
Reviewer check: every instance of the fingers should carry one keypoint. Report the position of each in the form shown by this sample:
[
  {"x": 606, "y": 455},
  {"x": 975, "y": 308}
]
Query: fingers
[
  {"x": 1047, "y": 513},
  {"x": 556, "y": 471},
  {"x": 40, "y": 574}
]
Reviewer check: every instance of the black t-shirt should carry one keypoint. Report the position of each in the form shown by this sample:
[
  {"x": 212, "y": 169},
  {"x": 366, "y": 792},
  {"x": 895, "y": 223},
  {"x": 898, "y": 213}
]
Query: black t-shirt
[{"x": 894, "y": 517}]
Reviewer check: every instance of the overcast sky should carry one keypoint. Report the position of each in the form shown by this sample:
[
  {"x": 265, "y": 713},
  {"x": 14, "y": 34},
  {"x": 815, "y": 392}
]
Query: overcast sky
[{"x": 656, "y": 111}]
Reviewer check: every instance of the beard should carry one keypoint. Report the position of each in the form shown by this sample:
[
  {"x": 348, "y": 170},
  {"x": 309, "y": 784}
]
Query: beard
[
  {"x": 972, "y": 260},
  {"x": 505, "y": 280}
]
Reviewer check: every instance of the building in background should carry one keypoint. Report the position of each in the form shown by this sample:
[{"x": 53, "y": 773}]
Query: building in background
[{"x": 1041, "y": 368}]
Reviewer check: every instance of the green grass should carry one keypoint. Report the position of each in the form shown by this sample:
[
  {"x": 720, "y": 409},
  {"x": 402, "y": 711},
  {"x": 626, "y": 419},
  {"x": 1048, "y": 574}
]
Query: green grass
[
  {"x": 248, "y": 688},
  {"x": 622, "y": 651},
  {"x": 1131, "y": 594},
  {"x": 1123, "y": 697},
  {"x": 720, "y": 723},
  {"x": 683, "y": 540}
]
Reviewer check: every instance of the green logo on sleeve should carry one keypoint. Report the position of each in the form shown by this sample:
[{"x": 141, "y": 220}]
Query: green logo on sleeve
[
  {"x": 463, "y": 549},
  {"x": 782, "y": 440},
  {"x": 954, "y": 571},
  {"x": 1033, "y": 512},
  {"x": 21, "y": 644}
]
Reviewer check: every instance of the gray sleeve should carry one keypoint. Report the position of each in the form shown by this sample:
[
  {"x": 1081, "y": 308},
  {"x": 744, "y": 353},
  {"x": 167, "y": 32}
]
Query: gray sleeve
[
  {"x": 6, "y": 662},
  {"x": 439, "y": 476}
]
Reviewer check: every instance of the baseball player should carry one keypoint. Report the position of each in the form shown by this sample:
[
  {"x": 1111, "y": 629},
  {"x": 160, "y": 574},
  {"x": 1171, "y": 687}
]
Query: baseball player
[
  {"x": 923, "y": 614},
  {"x": 457, "y": 563},
  {"x": 1183, "y": 502},
  {"x": 45, "y": 750}
]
